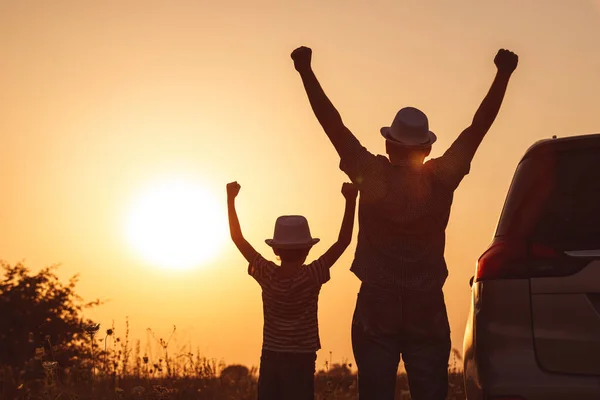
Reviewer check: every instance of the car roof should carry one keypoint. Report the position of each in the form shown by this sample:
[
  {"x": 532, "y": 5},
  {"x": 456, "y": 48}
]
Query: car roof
[{"x": 560, "y": 144}]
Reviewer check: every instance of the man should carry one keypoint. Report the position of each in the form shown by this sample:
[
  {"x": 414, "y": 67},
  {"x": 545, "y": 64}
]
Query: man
[{"x": 403, "y": 213}]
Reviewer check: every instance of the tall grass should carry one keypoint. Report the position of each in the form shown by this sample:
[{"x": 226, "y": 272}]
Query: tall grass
[{"x": 122, "y": 371}]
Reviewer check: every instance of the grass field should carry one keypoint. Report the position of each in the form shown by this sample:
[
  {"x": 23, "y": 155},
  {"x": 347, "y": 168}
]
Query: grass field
[
  {"x": 50, "y": 351},
  {"x": 232, "y": 382},
  {"x": 182, "y": 377}
]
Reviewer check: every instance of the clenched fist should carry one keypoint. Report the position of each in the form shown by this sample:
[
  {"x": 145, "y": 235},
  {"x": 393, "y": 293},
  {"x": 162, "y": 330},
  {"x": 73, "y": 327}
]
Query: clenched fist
[
  {"x": 349, "y": 190},
  {"x": 233, "y": 188},
  {"x": 506, "y": 61},
  {"x": 302, "y": 57}
]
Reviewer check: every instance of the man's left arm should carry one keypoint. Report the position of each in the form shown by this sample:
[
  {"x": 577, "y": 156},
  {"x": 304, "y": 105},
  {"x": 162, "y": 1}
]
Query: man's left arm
[
  {"x": 355, "y": 160},
  {"x": 326, "y": 113}
]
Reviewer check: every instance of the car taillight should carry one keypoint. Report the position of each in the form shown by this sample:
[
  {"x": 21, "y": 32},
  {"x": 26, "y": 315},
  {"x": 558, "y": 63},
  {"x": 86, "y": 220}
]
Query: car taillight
[{"x": 514, "y": 259}]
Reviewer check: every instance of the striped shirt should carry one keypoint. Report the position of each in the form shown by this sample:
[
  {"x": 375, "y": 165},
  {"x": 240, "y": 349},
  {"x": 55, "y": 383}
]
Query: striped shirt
[
  {"x": 290, "y": 304},
  {"x": 402, "y": 216}
]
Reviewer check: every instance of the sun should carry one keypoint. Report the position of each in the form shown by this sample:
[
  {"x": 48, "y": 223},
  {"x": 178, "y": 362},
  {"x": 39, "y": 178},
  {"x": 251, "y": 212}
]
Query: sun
[{"x": 176, "y": 224}]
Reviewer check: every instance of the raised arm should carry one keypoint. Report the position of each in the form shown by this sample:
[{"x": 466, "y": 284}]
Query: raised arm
[
  {"x": 456, "y": 161},
  {"x": 470, "y": 139},
  {"x": 244, "y": 247},
  {"x": 327, "y": 115},
  {"x": 350, "y": 192}
]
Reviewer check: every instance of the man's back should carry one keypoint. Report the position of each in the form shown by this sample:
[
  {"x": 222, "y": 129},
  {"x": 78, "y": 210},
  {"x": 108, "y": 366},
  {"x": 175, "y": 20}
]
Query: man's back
[{"x": 403, "y": 214}]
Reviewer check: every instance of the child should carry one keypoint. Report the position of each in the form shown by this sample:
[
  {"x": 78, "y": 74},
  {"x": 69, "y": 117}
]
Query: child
[{"x": 290, "y": 293}]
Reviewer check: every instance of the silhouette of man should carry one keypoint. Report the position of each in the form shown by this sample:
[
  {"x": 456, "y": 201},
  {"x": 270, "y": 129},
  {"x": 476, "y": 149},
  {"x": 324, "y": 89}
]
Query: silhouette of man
[{"x": 403, "y": 213}]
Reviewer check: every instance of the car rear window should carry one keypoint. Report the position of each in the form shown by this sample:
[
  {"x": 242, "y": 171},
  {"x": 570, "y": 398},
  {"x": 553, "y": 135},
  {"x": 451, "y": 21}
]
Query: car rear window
[{"x": 555, "y": 200}]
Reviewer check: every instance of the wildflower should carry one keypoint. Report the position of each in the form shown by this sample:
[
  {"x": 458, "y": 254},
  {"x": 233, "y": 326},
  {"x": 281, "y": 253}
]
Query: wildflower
[
  {"x": 145, "y": 358},
  {"x": 91, "y": 329},
  {"x": 161, "y": 392},
  {"x": 109, "y": 332},
  {"x": 49, "y": 366},
  {"x": 138, "y": 391},
  {"x": 456, "y": 354},
  {"x": 39, "y": 353},
  {"x": 160, "y": 389}
]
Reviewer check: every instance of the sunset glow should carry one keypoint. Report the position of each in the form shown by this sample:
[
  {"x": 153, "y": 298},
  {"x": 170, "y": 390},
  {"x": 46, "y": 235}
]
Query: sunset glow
[
  {"x": 176, "y": 224},
  {"x": 110, "y": 109}
]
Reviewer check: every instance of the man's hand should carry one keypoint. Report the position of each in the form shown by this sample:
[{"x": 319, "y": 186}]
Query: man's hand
[
  {"x": 350, "y": 191},
  {"x": 302, "y": 56},
  {"x": 233, "y": 188},
  {"x": 506, "y": 61}
]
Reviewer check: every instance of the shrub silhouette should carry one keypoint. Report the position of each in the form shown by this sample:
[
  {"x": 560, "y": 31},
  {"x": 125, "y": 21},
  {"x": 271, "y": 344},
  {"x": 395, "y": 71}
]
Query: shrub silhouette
[
  {"x": 41, "y": 319},
  {"x": 234, "y": 374}
]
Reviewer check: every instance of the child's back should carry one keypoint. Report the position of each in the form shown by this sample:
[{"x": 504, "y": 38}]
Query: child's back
[
  {"x": 290, "y": 304},
  {"x": 290, "y": 294}
]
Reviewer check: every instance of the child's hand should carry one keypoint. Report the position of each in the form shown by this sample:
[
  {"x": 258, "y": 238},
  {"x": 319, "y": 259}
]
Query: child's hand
[
  {"x": 349, "y": 190},
  {"x": 302, "y": 57},
  {"x": 233, "y": 188},
  {"x": 506, "y": 61}
]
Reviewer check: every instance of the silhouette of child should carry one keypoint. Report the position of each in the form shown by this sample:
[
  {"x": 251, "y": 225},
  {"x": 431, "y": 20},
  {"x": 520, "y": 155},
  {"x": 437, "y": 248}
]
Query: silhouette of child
[{"x": 290, "y": 294}]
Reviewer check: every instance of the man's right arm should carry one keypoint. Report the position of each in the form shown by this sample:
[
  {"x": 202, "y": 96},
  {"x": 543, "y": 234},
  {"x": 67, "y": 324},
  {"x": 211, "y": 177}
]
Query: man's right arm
[
  {"x": 486, "y": 114},
  {"x": 457, "y": 159}
]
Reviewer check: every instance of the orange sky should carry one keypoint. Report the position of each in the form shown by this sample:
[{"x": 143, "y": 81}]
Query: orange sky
[{"x": 99, "y": 101}]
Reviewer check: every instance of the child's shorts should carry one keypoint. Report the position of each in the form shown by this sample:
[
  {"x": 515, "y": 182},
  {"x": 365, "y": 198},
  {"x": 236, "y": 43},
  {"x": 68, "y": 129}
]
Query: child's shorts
[{"x": 288, "y": 376}]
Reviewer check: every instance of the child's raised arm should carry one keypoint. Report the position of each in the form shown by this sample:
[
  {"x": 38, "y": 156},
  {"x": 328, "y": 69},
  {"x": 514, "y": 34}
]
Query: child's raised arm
[
  {"x": 350, "y": 192},
  {"x": 233, "y": 188}
]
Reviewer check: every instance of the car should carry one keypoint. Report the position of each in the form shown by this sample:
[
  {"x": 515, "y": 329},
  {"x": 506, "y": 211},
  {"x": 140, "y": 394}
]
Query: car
[{"x": 533, "y": 330}]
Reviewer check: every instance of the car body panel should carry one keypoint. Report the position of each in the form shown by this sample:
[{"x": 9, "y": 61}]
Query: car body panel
[
  {"x": 566, "y": 321},
  {"x": 535, "y": 334}
]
